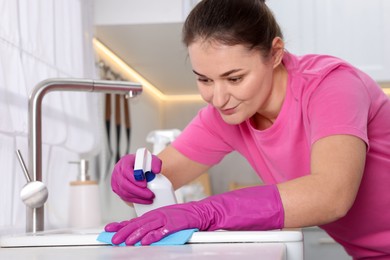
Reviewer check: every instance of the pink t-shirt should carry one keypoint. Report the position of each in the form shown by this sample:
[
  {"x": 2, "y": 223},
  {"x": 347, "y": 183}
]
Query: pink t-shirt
[{"x": 325, "y": 96}]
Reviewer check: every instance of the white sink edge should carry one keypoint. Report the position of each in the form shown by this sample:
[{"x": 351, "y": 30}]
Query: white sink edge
[{"x": 87, "y": 237}]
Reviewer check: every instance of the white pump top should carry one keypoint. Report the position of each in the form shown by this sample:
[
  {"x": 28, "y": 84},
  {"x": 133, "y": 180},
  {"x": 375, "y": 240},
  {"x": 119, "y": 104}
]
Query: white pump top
[{"x": 161, "y": 138}]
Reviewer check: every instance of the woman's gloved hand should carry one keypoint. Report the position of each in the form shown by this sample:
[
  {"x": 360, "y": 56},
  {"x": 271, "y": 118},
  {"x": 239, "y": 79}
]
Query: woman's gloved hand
[
  {"x": 124, "y": 184},
  {"x": 254, "y": 208}
]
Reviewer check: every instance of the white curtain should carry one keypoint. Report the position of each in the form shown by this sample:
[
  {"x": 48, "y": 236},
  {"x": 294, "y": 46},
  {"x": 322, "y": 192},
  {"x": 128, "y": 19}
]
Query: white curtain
[{"x": 42, "y": 39}]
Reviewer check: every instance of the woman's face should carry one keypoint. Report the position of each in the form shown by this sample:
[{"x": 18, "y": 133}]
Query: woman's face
[{"x": 235, "y": 80}]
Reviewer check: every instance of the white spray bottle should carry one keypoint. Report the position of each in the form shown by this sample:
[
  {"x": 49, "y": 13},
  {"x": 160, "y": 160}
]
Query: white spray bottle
[{"x": 157, "y": 183}]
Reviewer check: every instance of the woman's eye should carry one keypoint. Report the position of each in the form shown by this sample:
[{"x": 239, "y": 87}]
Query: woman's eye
[
  {"x": 235, "y": 79},
  {"x": 204, "y": 80}
]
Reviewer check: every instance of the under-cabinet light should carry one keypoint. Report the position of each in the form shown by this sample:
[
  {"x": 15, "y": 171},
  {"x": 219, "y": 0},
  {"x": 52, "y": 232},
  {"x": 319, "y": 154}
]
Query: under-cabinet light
[
  {"x": 108, "y": 56},
  {"x": 387, "y": 91}
]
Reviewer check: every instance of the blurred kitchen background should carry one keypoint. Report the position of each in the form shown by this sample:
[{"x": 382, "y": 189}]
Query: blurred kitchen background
[{"x": 138, "y": 40}]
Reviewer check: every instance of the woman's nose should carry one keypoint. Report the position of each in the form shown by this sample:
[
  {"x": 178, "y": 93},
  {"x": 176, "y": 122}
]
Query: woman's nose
[{"x": 220, "y": 95}]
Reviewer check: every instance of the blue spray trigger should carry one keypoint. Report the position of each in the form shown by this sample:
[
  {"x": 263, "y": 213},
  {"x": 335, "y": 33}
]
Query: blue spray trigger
[
  {"x": 139, "y": 175},
  {"x": 150, "y": 176}
]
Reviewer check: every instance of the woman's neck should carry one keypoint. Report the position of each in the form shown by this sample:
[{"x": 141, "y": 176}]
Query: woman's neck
[{"x": 265, "y": 118}]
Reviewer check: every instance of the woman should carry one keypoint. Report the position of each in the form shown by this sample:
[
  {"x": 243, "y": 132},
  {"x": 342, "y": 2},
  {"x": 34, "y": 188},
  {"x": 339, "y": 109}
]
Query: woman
[{"x": 315, "y": 129}]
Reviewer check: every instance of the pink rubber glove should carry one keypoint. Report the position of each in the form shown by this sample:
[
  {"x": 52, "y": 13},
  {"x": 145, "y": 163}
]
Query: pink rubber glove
[
  {"x": 254, "y": 208},
  {"x": 124, "y": 184}
]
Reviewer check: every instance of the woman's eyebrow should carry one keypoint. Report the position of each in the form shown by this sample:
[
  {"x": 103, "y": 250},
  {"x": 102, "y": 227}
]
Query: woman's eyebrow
[
  {"x": 197, "y": 73},
  {"x": 222, "y": 75}
]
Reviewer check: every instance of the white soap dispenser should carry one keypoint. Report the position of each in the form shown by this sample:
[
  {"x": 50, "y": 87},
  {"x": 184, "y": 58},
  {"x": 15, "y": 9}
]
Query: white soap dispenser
[
  {"x": 157, "y": 183},
  {"x": 84, "y": 201}
]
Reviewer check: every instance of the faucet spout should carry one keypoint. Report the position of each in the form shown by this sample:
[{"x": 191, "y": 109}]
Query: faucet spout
[{"x": 35, "y": 216}]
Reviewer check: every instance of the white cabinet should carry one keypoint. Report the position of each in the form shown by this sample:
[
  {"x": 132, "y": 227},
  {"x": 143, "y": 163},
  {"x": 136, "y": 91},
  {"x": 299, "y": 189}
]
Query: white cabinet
[
  {"x": 116, "y": 12},
  {"x": 318, "y": 245},
  {"x": 355, "y": 30}
]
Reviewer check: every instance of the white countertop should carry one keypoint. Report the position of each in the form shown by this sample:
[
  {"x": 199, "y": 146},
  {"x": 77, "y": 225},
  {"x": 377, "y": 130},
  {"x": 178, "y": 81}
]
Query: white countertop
[
  {"x": 82, "y": 244},
  {"x": 226, "y": 251}
]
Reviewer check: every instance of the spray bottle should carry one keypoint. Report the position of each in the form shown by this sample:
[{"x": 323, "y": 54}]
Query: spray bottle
[
  {"x": 160, "y": 139},
  {"x": 157, "y": 183}
]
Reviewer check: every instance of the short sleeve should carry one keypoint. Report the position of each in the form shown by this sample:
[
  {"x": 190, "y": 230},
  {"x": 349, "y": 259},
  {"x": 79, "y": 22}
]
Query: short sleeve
[
  {"x": 204, "y": 139},
  {"x": 339, "y": 105}
]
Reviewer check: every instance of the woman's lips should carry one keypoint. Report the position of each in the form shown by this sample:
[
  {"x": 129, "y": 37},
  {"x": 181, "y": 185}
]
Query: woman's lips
[{"x": 228, "y": 111}]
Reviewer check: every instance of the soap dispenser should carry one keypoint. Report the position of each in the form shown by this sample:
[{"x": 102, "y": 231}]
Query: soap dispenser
[{"x": 84, "y": 202}]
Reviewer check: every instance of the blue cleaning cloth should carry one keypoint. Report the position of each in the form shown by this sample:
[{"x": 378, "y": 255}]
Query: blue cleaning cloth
[{"x": 178, "y": 238}]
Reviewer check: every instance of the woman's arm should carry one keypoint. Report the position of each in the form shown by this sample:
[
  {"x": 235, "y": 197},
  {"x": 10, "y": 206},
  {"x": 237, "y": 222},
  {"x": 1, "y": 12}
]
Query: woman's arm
[
  {"x": 337, "y": 165},
  {"x": 179, "y": 169}
]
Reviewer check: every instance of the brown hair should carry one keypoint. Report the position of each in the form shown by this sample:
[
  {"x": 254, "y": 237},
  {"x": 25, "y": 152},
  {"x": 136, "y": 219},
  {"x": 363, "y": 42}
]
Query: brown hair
[{"x": 231, "y": 22}]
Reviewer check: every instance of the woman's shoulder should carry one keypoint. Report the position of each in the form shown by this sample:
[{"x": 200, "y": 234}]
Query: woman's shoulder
[
  {"x": 314, "y": 64},
  {"x": 310, "y": 72}
]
